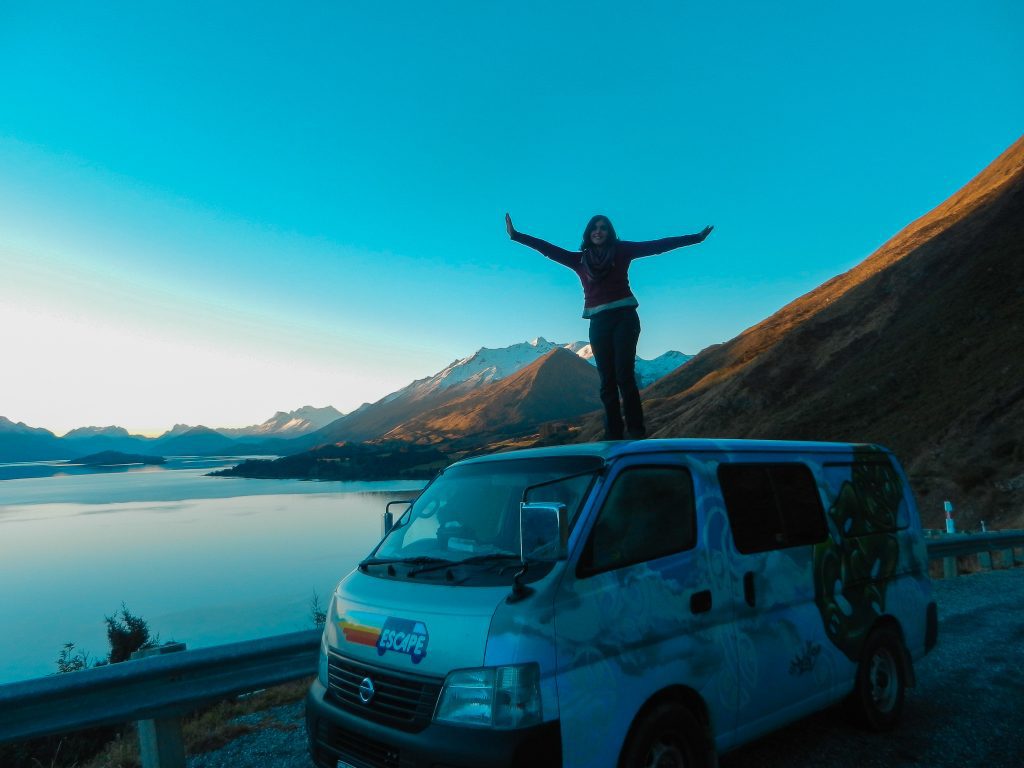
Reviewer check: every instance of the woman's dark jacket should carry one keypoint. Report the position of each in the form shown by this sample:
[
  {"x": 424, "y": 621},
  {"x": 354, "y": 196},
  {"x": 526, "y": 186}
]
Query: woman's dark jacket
[{"x": 612, "y": 290}]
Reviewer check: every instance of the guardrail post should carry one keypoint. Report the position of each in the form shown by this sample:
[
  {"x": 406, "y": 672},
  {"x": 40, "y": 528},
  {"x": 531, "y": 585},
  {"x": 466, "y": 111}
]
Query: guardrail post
[
  {"x": 161, "y": 744},
  {"x": 1008, "y": 558},
  {"x": 985, "y": 560},
  {"x": 949, "y": 570}
]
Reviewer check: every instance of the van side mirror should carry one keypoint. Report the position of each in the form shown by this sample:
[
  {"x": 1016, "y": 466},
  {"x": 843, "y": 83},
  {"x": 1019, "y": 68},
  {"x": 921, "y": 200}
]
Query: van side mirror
[
  {"x": 389, "y": 516},
  {"x": 543, "y": 531}
]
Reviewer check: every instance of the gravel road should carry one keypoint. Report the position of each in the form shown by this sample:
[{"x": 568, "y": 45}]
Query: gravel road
[{"x": 967, "y": 708}]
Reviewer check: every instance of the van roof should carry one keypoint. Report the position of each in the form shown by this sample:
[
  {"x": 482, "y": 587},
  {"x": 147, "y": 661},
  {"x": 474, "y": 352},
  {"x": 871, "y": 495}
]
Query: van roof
[{"x": 617, "y": 448}]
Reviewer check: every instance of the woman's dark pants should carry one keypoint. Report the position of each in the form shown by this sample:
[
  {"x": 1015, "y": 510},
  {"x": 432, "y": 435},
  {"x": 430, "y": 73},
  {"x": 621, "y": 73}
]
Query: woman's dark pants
[{"x": 613, "y": 337}]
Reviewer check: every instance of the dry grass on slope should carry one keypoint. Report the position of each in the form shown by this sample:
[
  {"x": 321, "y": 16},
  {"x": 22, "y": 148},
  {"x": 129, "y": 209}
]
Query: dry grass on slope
[
  {"x": 558, "y": 385},
  {"x": 719, "y": 362},
  {"x": 211, "y": 728}
]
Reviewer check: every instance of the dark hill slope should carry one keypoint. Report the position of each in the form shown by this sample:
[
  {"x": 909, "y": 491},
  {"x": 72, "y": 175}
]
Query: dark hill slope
[
  {"x": 557, "y": 386},
  {"x": 373, "y": 420},
  {"x": 920, "y": 347}
]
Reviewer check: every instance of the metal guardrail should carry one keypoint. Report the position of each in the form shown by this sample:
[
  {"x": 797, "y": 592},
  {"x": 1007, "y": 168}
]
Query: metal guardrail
[
  {"x": 948, "y": 547},
  {"x": 168, "y": 686},
  {"x": 156, "y": 687},
  {"x": 959, "y": 544}
]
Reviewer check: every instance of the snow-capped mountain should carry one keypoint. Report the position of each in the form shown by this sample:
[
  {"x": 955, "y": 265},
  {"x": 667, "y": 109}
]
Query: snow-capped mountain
[
  {"x": 80, "y": 433},
  {"x": 291, "y": 424},
  {"x": 487, "y": 365},
  {"x": 647, "y": 371},
  {"x": 484, "y": 367},
  {"x": 558, "y": 385}
]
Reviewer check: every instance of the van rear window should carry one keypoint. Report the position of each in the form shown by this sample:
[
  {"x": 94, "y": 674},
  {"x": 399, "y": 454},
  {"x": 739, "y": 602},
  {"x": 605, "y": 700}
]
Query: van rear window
[{"x": 772, "y": 506}]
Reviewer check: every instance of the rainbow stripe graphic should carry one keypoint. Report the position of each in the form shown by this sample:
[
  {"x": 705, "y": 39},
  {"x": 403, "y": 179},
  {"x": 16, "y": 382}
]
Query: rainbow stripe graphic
[{"x": 362, "y": 628}]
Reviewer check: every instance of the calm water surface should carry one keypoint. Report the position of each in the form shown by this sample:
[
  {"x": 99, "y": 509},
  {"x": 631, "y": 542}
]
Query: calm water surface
[{"x": 205, "y": 560}]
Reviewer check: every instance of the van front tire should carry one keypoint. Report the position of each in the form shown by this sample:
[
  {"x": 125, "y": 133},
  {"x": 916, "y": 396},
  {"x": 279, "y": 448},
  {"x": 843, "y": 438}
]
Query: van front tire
[
  {"x": 877, "y": 698},
  {"x": 668, "y": 736}
]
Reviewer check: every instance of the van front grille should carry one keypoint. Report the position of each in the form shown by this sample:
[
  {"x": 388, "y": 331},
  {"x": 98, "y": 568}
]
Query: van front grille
[{"x": 400, "y": 699}]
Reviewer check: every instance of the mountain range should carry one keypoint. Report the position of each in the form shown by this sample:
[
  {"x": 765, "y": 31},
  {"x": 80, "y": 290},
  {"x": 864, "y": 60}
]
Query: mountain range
[
  {"x": 462, "y": 381},
  {"x": 467, "y": 383},
  {"x": 291, "y": 424}
]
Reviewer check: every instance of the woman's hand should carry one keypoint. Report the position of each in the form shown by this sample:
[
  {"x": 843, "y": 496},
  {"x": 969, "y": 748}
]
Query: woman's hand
[
  {"x": 508, "y": 226},
  {"x": 701, "y": 236}
]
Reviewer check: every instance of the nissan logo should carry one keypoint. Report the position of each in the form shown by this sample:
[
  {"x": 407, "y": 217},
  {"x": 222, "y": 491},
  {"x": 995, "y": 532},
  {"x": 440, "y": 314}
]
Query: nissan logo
[{"x": 366, "y": 690}]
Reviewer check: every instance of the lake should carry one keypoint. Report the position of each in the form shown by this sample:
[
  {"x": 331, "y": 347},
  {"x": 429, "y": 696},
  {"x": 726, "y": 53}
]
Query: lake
[{"x": 204, "y": 560}]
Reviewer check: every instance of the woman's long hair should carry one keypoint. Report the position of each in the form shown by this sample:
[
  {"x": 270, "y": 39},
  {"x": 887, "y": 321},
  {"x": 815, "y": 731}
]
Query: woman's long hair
[
  {"x": 612, "y": 237},
  {"x": 598, "y": 260}
]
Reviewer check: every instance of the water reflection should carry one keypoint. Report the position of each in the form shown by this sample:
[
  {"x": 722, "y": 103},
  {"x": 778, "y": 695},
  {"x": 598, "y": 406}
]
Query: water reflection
[
  {"x": 205, "y": 560},
  {"x": 37, "y": 469}
]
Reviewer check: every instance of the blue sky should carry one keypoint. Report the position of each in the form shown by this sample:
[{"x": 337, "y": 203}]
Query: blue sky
[{"x": 209, "y": 212}]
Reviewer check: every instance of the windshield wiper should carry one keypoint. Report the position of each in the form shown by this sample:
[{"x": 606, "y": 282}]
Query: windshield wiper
[
  {"x": 419, "y": 560},
  {"x": 491, "y": 557}
]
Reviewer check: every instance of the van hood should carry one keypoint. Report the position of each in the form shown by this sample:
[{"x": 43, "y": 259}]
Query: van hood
[{"x": 426, "y": 629}]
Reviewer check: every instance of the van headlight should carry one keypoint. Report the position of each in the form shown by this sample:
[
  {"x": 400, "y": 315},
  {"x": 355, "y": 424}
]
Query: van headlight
[{"x": 491, "y": 697}]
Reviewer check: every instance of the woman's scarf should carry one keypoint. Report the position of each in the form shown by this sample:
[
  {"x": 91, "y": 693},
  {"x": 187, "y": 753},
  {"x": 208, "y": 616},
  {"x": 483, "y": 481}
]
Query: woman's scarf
[{"x": 598, "y": 261}]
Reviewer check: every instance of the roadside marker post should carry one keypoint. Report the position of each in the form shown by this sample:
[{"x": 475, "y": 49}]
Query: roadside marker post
[
  {"x": 161, "y": 743},
  {"x": 949, "y": 565}
]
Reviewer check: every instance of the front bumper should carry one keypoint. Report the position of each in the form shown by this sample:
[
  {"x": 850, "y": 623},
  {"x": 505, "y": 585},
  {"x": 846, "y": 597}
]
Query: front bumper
[{"x": 338, "y": 734}]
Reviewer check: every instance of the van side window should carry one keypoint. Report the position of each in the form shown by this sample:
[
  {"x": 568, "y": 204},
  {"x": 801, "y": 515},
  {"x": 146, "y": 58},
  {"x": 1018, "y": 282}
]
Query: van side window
[
  {"x": 649, "y": 513},
  {"x": 772, "y": 506},
  {"x": 868, "y": 497}
]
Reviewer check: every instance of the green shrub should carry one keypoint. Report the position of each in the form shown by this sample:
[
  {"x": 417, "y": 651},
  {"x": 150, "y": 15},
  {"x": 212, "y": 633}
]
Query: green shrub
[{"x": 127, "y": 633}]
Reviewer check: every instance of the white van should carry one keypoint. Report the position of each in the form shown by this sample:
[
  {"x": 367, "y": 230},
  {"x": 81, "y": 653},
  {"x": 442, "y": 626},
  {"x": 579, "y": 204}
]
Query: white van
[{"x": 649, "y": 603}]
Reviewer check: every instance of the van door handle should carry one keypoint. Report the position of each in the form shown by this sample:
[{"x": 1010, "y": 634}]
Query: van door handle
[
  {"x": 748, "y": 588},
  {"x": 700, "y": 602}
]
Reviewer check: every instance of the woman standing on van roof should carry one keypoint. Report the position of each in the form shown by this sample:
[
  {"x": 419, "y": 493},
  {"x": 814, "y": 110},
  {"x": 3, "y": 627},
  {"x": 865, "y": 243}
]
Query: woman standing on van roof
[{"x": 601, "y": 264}]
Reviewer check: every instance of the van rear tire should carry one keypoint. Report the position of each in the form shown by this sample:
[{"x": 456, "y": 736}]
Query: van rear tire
[
  {"x": 669, "y": 736},
  {"x": 877, "y": 699}
]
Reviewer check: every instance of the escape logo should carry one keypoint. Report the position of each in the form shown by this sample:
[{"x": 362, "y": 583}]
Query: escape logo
[
  {"x": 386, "y": 634},
  {"x": 404, "y": 636}
]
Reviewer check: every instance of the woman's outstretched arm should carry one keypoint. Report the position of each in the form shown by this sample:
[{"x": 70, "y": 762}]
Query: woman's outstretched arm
[
  {"x": 652, "y": 247},
  {"x": 553, "y": 252}
]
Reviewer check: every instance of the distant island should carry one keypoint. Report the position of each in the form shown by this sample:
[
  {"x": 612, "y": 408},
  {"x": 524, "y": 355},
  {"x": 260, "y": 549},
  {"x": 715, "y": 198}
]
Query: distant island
[
  {"x": 114, "y": 458},
  {"x": 348, "y": 461}
]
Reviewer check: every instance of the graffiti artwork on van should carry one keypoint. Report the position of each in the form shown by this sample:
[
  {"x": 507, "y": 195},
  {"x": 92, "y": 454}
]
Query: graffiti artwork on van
[
  {"x": 855, "y": 563},
  {"x": 804, "y": 661},
  {"x": 627, "y": 622}
]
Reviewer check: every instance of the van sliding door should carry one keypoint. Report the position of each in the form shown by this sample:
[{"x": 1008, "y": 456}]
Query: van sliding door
[{"x": 786, "y": 665}]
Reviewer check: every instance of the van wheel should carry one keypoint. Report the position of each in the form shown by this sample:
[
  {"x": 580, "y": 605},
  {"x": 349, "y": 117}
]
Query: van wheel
[
  {"x": 669, "y": 736},
  {"x": 877, "y": 698}
]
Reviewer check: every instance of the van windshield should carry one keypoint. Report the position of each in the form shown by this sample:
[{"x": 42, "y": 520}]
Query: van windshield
[{"x": 473, "y": 509}]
